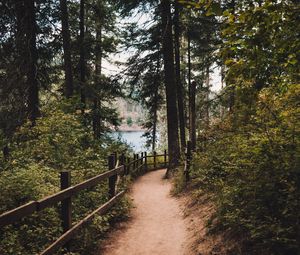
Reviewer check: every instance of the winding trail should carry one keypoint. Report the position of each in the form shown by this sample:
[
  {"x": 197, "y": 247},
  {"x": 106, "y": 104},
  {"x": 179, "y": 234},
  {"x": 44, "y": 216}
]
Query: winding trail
[{"x": 157, "y": 226}]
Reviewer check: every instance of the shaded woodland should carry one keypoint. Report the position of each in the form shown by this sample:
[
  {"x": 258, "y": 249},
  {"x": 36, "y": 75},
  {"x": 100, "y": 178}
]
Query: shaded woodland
[{"x": 56, "y": 112}]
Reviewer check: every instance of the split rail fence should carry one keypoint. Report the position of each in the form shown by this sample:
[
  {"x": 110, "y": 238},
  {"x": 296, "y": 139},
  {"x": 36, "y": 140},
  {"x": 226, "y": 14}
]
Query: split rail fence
[{"x": 117, "y": 168}]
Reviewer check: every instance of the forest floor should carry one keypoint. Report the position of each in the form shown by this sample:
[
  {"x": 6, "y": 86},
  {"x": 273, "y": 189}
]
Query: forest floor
[
  {"x": 162, "y": 224},
  {"x": 156, "y": 224}
]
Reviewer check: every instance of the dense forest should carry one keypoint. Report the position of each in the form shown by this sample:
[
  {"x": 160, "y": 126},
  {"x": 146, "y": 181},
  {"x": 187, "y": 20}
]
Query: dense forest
[{"x": 56, "y": 110}]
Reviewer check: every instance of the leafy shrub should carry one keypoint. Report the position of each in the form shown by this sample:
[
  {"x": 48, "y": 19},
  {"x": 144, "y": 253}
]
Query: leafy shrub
[
  {"x": 59, "y": 141},
  {"x": 253, "y": 167}
]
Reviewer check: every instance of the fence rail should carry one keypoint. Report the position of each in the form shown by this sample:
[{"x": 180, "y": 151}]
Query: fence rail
[
  {"x": 36, "y": 206},
  {"x": 122, "y": 166},
  {"x": 69, "y": 234}
]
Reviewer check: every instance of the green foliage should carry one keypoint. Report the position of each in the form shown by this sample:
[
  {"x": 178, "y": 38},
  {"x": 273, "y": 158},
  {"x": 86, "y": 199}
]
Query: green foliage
[
  {"x": 210, "y": 7},
  {"x": 248, "y": 155},
  {"x": 260, "y": 45},
  {"x": 253, "y": 170},
  {"x": 129, "y": 121},
  {"x": 18, "y": 186},
  {"x": 59, "y": 141}
]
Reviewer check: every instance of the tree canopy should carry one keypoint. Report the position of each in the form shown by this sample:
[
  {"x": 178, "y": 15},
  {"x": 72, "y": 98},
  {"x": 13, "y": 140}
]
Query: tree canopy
[{"x": 57, "y": 108}]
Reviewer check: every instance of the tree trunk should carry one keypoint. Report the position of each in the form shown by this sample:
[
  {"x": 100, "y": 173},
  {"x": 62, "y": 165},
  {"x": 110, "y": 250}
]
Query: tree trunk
[
  {"x": 189, "y": 58},
  {"x": 192, "y": 97},
  {"x": 154, "y": 124},
  {"x": 154, "y": 130},
  {"x": 21, "y": 52},
  {"x": 222, "y": 87},
  {"x": 68, "y": 89},
  {"x": 32, "y": 56},
  {"x": 232, "y": 6},
  {"x": 82, "y": 56},
  {"x": 180, "y": 97},
  {"x": 5, "y": 152},
  {"x": 156, "y": 84},
  {"x": 207, "y": 98},
  {"x": 172, "y": 119},
  {"x": 98, "y": 72},
  {"x": 20, "y": 37},
  {"x": 189, "y": 78},
  {"x": 192, "y": 116}
]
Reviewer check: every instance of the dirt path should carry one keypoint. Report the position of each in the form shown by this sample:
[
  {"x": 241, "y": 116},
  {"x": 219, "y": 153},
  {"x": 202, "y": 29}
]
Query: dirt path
[{"x": 157, "y": 226}]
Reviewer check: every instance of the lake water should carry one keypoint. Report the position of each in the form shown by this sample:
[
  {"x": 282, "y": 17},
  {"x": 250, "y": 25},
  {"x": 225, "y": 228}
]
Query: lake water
[{"x": 134, "y": 139}]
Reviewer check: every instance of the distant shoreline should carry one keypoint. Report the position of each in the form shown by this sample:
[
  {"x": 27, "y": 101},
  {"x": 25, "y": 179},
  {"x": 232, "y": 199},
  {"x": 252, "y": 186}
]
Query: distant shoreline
[{"x": 133, "y": 128}]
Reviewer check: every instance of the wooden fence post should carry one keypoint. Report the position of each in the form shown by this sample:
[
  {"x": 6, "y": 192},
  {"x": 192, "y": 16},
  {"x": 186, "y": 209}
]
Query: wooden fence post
[
  {"x": 137, "y": 162},
  {"x": 165, "y": 158},
  {"x": 112, "y": 179},
  {"x": 133, "y": 164},
  {"x": 154, "y": 159},
  {"x": 142, "y": 160},
  {"x": 146, "y": 162},
  {"x": 128, "y": 166},
  {"x": 188, "y": 155},
  {"x": 66, "y": 205},
  {"x": 123, "y": 162}
]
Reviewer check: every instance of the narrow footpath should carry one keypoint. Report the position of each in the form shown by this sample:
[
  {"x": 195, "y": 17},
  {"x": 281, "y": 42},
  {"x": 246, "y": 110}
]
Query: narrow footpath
[{"x": 157, "y": 226}]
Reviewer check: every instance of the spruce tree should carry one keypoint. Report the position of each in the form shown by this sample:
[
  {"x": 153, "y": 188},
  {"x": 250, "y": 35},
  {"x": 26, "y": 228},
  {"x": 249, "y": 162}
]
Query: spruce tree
[
  {"x": 68, "y": 89},
  {"x": 169, "y": 77}
]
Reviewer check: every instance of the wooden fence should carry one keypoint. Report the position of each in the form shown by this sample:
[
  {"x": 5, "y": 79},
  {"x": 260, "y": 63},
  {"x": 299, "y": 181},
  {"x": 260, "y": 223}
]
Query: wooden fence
[{"x": 116, "y": 169}]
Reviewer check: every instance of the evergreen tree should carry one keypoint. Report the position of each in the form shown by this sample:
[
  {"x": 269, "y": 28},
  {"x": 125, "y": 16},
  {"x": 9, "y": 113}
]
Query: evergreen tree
[
  {"x": 67, "y": 48},
  {"x": 144, "y": 72},
  {"x": 169, "y": 77},
  {"x": 30, "y": 31},
  {"x": 82, "y": 54},
  {"x": 179, "y": 86}
]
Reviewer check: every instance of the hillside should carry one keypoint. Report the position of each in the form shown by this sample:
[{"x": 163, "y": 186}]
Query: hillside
[{"x": 131, "y": 113}]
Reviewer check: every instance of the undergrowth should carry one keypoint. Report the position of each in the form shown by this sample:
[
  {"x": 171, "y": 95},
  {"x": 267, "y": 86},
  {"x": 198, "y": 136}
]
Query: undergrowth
[
  {"x": 252, "y": 169},
  {"x": 58, "y": 142}
]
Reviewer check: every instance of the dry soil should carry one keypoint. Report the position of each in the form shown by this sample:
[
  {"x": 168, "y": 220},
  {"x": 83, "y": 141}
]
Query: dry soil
[{"x": 156, "y": 227}]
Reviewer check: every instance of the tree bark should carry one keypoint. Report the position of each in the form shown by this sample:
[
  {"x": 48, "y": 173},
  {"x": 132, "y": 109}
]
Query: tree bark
[
  {"x": 207, "y": 97},
  {"x": 21, "y": 52},
  {"x": 32, "y": 56},
  {"x": 192, "y": 116},
  {"x": 155, "y": 108},
  {"x": 168, "y": 56},
  {"x": 82, "y": 56},
  {"x": 189, "y": 58},
  {"x": 232, "y": 6},
  {"x": 222, "y": 87},
  {"x": 68, "y": 89},
  {"x": 154, "y": 122},
  {"x": 98, "y": 72},
  {"x": 20, "y": 37},
  {"x": 5, "y": 152},
  {"x": 192, "y": 97},
  {"x": 179, "y": 87},
  {"x": 189, "y": 79}
]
